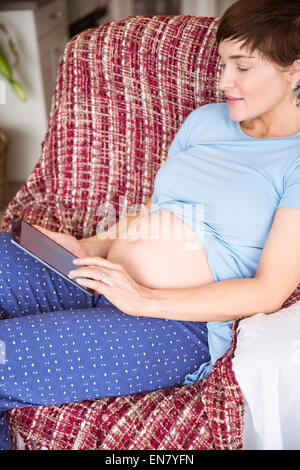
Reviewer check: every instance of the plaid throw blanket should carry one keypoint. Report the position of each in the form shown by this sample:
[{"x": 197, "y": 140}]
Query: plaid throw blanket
[{"x": 122, "y": 92}]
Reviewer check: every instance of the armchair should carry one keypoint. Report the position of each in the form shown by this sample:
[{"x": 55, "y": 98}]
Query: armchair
[{"x": 123, "y": 89}]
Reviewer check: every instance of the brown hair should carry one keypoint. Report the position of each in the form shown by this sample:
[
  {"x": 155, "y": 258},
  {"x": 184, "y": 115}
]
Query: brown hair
[{"x": 272, "y": 27}]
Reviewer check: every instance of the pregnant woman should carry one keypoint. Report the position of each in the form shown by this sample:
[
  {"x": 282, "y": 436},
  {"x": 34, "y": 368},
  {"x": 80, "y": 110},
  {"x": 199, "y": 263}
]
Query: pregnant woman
[{"x": 219, "y": 240}]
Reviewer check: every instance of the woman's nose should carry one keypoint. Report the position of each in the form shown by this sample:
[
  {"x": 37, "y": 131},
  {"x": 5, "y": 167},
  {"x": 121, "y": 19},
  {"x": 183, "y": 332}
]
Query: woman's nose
[{"x": 226, "y": 81}]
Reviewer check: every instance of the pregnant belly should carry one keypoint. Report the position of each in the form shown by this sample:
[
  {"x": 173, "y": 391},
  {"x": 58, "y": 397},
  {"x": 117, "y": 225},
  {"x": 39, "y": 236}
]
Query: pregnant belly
[{"x": 160, "y": 251}]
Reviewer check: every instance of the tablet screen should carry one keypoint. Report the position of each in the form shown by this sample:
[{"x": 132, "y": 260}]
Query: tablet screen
[{"x": 43, "y": 248}]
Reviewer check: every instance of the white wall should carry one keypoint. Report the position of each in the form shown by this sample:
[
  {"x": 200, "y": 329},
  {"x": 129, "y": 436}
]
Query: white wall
[
  {"x": 19, "y": 119},
  {"x": 224, "y": 4},
  {"x": 199, "y": 7},
  {"x": 123, "y": 8},
  {"x": 205, "y": 7}
]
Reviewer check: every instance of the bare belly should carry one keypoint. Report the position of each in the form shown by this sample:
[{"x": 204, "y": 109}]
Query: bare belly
[{"x": 161, "y": 251}]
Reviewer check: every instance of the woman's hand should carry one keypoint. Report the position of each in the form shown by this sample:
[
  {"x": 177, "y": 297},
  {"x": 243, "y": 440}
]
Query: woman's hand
[
  {"x": 116, "y": 285},
  {"x": 76, "y": 247}
]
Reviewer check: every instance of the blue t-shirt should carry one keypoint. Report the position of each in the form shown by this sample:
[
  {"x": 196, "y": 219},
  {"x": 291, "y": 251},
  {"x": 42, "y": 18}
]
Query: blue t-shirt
[{"x": 227, "y": 186}]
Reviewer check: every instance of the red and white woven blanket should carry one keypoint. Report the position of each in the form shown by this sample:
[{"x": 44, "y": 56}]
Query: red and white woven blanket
[{"x": 207, "y": 415}]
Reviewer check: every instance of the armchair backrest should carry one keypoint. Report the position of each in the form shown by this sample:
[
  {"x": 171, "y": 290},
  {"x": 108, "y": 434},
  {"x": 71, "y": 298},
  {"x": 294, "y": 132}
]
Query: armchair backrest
[{"x": 123, "y": 90}]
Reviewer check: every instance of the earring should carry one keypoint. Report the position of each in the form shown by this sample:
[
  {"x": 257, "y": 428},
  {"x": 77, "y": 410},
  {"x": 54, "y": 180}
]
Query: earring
[
  {"x": 296, "y": 92},
  {"x": 296, "y": 84}
]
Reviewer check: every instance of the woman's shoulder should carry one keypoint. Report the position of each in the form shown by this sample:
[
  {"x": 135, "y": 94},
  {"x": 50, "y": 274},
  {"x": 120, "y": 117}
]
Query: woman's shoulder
[
  {"x": 210, "y": 109},
  {"x": 205, "y": 115}
]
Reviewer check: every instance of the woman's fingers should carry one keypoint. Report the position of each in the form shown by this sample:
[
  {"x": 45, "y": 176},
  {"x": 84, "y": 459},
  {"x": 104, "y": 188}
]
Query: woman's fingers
[
  {"x": 56, "y": 236},
  {"x": 91, "y": 272},
  {"x": 117, "y": 285},
  {"x": 94, "y": 267},
  {"x": 98, "y": 261},
  {"x": 41, "y": 229},
  {"x": 95, "y": 285},
  {"x": 86, "y": 272}
]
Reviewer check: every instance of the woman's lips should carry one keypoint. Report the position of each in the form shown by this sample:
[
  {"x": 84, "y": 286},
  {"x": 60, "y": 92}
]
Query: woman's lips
[{"x": 233, "y": 100}]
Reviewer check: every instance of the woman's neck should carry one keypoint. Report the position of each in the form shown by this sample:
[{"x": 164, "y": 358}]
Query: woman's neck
[{"x": 262, "y": 127}]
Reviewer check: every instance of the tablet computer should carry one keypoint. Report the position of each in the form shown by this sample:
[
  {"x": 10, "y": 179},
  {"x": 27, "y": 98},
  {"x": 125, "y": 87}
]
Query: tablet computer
[{"x": 44, "y": 249}]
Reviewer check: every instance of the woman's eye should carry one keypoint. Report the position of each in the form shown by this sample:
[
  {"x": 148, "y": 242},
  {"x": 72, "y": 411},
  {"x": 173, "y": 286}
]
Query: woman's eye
[{"x": 239, "y": 68}]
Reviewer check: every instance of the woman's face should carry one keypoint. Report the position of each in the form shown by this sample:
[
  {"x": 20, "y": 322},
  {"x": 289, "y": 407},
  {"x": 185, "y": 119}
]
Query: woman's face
[{"x": 261, "y": 86}]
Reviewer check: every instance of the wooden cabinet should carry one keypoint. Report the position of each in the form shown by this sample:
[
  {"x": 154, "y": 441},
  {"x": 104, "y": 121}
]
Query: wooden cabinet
[{"x": 40, "y": 34}]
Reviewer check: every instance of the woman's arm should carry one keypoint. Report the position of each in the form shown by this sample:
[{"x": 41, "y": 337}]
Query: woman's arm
[
  {"x": 218, "y": 301},
  {"x": 277, "y": 277},
  {"x": 98, "y": 245}
]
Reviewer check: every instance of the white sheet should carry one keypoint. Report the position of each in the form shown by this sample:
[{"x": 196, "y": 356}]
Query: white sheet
[{"x": 267, "y": 367}]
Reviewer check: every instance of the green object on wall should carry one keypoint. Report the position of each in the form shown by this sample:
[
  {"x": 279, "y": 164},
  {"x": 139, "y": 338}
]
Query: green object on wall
[{"x": 6, "y": 70}]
